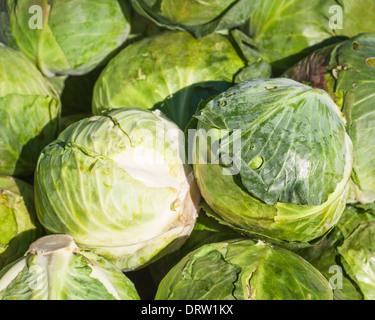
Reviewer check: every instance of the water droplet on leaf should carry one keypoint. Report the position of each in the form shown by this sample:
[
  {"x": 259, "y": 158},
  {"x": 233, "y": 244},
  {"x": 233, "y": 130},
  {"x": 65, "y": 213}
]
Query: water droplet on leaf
[
  {"x": 370, "y": 61},
  {"x": 271, "y": 87},
  {"x": 256, "y": 163},
  {"x": 222, "y": 103}
]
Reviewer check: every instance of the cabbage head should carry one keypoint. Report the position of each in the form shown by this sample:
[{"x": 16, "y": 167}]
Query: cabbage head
[
  {"x": 243, "y": 270},
  {"x": 19, "y": 226},
  {"x": 347, "y": 72},
  {"x": 171, "y": 71},
  {"x": 272, "y": 159},
  {"x": 29, "y": 113},
  {"x": 119, "y": 185},
  {"x": 198, "y": 17},
  {"x": 65, "y": 36},
  {"x": 54, "y": 268}
]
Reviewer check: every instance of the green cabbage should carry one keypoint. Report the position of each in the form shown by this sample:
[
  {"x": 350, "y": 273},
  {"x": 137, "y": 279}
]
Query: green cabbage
[
  {"x": 243, "y": 270},
  {"x": 18, "y": 222},
  {"x": 55, "y": 269},
  {"x": 287, "y": 30},
  {"x": 75, "y": 36},
  {"x": 171, "y": 71},
  {"x": 29, "y": 112},
  {"x": 279, "y": 161},
  {"x": 119, "y": 185},
  {"x": 347, "y": 72},
  {"x": 198, "y": 17},
  {"x": 345, "y": 256}
]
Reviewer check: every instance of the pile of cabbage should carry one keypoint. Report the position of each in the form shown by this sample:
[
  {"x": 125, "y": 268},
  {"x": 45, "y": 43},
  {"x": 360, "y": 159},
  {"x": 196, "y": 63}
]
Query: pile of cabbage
[{"x": 187, "y": 150}]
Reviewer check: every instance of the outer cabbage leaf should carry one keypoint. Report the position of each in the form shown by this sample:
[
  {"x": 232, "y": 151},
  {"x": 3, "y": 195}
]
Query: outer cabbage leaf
[
  {"x": 348, "y": 248},
  {"x": 358, "y": 17},
  {"x": 288, "y": 30}
]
